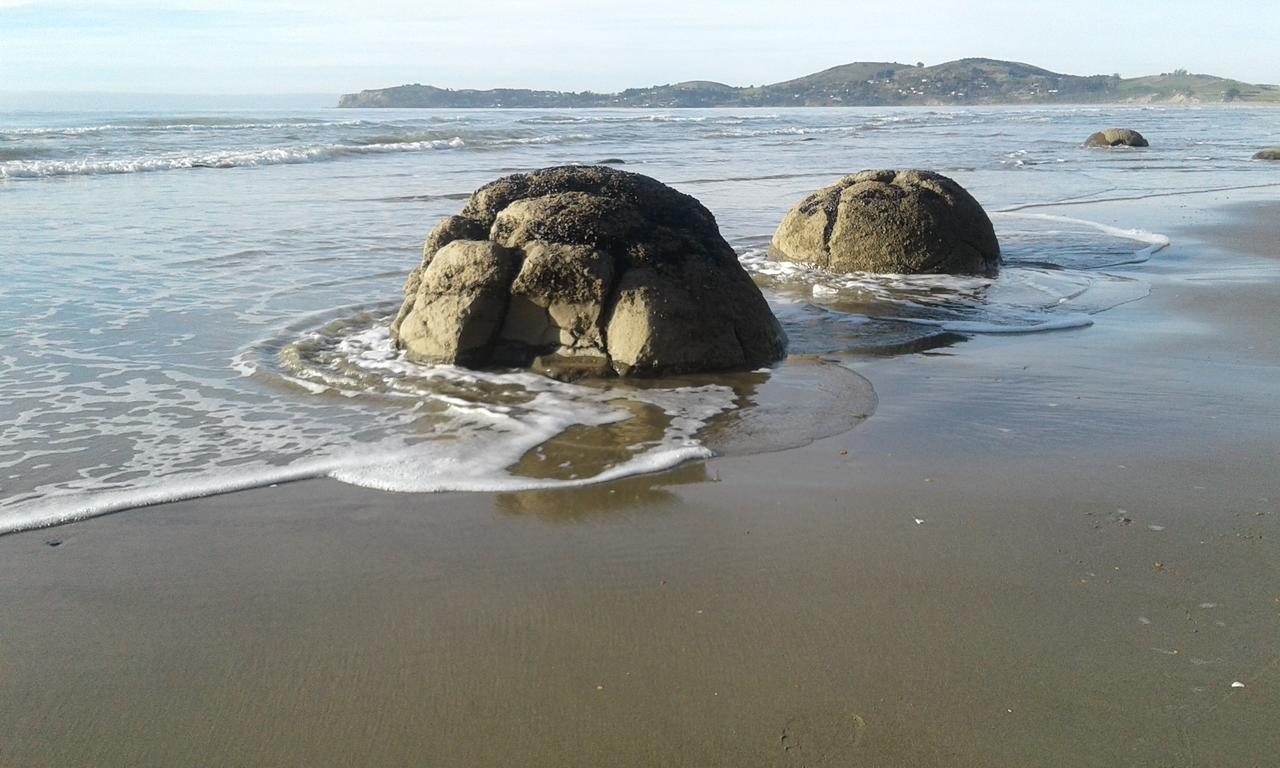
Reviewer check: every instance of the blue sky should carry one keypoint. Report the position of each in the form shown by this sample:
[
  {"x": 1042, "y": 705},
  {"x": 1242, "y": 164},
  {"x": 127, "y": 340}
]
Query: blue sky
[{"x": 324, "y": 46}]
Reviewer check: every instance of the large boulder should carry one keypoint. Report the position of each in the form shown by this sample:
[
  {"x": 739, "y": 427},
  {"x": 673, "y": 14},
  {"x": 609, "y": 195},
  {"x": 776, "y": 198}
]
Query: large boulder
[
  {"x": 1116, "y": 137},
  {"x": 1268, "y": 154},
  {"x": 584, "y": 270},
  {"x": 903, "y": 222}
]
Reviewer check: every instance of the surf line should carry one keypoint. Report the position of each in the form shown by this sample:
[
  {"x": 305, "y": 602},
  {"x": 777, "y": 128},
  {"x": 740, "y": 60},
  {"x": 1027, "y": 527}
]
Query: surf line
[
  {"x": 1124, "y": 198},
  {"x": 365, "y": 472},
  {"x": 1154, "y": 242}
]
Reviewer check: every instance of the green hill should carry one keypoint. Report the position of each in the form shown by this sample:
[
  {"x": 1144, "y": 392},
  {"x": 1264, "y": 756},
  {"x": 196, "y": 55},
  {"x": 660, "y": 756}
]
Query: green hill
[
  {"x": 1180, "y": 85},
  {"x": 965, "y": 81}
]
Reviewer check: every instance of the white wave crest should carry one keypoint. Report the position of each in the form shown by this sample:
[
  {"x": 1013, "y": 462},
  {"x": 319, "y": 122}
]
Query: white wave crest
[
  {"x": 86, "y": 166},
  {"x": 175, "y": 127},
  {"x": 226, "y": 159}
]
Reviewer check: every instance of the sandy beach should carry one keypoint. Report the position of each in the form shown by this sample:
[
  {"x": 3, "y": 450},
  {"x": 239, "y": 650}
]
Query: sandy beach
[{"x": 1039, "y": 551}]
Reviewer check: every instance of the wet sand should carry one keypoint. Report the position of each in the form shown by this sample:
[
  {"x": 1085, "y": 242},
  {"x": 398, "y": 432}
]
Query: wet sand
[{"x": 1044, "y": 550}]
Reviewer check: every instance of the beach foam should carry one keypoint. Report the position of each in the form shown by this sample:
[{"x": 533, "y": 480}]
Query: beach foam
[
  {"x": 450, "y": 429},
  {"x": 1052, "y": 280},
  {"x": 1153, "y": 242},
  {"x": 129, "y": 371}
]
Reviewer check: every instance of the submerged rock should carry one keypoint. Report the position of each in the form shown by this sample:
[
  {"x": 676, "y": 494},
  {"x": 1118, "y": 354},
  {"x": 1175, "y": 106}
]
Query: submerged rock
[
  {"x": 584, "y": 270},
  {"x": 1268, "y": 154},
  {"x": 1116, "y": 137},
  {"x": 903, "y": 222}
]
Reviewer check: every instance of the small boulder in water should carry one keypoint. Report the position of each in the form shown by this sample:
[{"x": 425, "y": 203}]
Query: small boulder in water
[
  {"x": 1268, "y": 154},
  {"x": 903, "y": 222},
  {"x": 584, "y": 270},
  {"x": 1116, "y": 137}
]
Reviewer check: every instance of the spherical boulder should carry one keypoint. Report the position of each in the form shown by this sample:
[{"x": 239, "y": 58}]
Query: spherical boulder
[
  {"x": 1116, "y": 137},
  {"x": 1268, "y": 154},
  {"x": 584, "y": 270},
  {"x": 903, "y": 222}
]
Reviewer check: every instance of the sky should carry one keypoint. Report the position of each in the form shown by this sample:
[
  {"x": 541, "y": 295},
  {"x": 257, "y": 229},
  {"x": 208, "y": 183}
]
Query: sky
[{"x": 331, "y": 47}]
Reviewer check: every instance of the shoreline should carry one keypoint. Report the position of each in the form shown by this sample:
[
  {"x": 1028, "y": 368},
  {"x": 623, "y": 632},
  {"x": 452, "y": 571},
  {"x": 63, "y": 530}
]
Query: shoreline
[
  {"x": 1255, "y": 216},
  {"x": 1044, "y": 550}
]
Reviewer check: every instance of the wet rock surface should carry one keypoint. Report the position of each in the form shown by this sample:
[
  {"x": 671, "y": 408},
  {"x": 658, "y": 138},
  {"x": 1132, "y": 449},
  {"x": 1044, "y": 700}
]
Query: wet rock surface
[
  {"x": 890, "y": 221},
  {"x": 584, "y": 270},
  {"x": 1116, "y": 137}
]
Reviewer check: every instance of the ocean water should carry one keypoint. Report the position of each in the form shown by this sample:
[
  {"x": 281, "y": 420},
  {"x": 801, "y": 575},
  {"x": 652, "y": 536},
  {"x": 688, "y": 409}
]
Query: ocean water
[{"x": 196, "y": 302}]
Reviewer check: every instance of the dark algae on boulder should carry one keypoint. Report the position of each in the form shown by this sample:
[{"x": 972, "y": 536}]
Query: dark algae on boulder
[
  {"x": 890, "y": 221},
  {"x": 1116, "y": 137},
  {"x": 584, "y": 270}
]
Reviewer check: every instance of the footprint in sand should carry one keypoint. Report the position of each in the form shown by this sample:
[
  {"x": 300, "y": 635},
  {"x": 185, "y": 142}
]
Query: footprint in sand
[{"x": 821, "y": 739}]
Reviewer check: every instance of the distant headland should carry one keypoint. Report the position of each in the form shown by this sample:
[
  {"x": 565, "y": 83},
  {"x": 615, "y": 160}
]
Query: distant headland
[{"x": 962, "y": 82}]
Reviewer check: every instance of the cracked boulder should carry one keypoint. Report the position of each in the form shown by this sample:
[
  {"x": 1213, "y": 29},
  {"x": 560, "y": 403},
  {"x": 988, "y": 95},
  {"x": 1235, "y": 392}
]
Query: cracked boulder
[
  {"x": 1116, "y": 137},
  {"x": 584, "y": 270},
  {"x": 901, "y": 222}
]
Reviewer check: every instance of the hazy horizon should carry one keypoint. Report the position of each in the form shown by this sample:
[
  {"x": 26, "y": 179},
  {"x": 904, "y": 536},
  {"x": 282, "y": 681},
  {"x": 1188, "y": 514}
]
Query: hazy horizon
[
  {"x": 334, "y": 94},
  {"x": 243, "y": 48},
  {"x": 55, "y": 100},
  {"x": 89, "y": 101}
]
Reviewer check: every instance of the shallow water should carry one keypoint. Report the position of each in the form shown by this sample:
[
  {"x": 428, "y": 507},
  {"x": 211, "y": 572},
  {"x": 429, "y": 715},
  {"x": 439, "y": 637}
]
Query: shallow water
[{"x": 195, "y": 302}]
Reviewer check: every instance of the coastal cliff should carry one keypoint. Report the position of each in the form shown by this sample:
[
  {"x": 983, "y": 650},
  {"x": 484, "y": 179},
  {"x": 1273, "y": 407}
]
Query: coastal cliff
[{"x": 962, "y": 82}]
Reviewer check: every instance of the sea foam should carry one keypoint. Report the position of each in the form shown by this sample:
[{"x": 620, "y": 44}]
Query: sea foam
[
  {"x": 220, "y": 159},
  {"x": 217, "y": 159},
  {"x": 409, "y": 428},
  {"x": 1048, "y": 282}
]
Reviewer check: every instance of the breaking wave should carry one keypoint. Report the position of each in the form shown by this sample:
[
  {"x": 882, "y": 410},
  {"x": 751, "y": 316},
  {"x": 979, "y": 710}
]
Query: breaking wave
[{"x": 87, "y": 166}]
